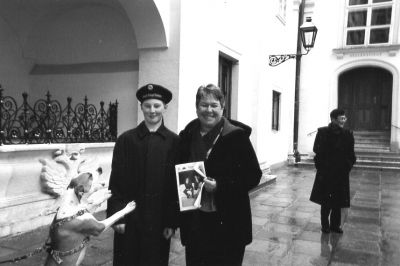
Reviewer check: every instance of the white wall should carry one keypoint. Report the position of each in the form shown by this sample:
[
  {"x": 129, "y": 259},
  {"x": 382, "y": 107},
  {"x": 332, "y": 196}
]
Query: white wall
[
  {"x": 14, "y": 68},
  {"x": 247, "y": 32},
  {"x": 198, "y": 54},
  {"x": 88, "y": 34},
  {"x": 281, "y": 39}
]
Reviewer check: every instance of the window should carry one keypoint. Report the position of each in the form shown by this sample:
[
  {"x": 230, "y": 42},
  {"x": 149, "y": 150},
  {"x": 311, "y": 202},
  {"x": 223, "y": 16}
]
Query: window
[
  {"x": 276, "y": 102},
  {"x": 369, "y": 22}
]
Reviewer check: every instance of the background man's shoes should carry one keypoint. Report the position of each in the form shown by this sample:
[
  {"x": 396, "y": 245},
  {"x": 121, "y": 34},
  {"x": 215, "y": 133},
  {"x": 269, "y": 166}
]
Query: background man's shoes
[
  {"x": 325, "y": 230},
  {"x": 337, "y": 230}
]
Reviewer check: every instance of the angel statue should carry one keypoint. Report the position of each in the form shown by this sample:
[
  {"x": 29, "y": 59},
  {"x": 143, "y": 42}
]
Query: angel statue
[{"x": 74, "y": 181}]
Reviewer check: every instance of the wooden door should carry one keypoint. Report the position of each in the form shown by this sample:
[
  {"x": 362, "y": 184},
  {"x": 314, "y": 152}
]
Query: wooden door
[{"x": 366, "y": 95}]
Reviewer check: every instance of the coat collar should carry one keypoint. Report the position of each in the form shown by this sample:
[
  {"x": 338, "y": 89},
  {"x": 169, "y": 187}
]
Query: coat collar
[
  {"x": 144, "y": 131},
  {"x": 335, "y": 128}
]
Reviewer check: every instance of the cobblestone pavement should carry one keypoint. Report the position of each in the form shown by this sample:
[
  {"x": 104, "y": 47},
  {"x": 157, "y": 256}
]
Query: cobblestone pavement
[{"x": 286, "y": 226}]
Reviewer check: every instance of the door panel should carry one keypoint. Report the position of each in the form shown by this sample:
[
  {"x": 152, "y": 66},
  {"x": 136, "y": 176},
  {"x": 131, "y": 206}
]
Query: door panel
[{"x": 366, "y": 95}]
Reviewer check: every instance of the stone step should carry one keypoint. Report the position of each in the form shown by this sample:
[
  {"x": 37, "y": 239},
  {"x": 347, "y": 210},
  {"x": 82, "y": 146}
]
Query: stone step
[
  {"x": 372, "y": 133},
  {"x": 383, "y": 136},
  {"x": 372, "y": 141},
  {"x": 378, "y": 158},
  {"x": 374, "y": 153},
  {"x": 376, "y": 136},
  {"x": 376, "y": 167},
  {"x": 310, "y": 164},
  {"x": 361, "y": 160},
  {"x": 378, "y": 163},
  {"x": 384, "y": 160},
  {"x": 375, "y": 148}
]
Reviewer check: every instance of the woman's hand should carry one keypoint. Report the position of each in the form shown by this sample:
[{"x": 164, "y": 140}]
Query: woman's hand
[
  {"x": 168, "y": 233},
  {"x": 210, "y": 184},
  {"x": 119, "y": 228}
]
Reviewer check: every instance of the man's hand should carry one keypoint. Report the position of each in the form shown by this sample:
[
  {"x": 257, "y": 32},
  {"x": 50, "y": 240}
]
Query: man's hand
[
  {"x": 119, "y": 228},
  {"x": 168, "y": 233},
  {"x": 210, "y": 184}
]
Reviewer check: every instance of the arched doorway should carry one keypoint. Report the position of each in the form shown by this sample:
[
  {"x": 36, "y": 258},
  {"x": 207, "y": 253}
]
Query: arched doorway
[{"x": 366, "y": 95}]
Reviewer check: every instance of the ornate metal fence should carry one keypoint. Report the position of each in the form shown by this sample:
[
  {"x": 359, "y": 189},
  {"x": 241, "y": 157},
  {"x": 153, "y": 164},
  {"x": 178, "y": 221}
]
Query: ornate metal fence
[{"x": 47, "y": 122}]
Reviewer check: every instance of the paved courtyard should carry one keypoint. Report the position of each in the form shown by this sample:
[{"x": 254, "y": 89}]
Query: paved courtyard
[{"x": 286, "y": 226}]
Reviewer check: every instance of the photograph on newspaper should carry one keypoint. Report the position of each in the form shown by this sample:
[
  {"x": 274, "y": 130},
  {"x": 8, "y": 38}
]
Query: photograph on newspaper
[{"x": 190, "y": 180}]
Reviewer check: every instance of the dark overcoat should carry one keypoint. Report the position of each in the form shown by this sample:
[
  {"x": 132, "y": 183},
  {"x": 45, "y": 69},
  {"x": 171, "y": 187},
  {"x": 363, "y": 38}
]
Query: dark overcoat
[
  {"x": 143, "y": 170},
  {"x": 334, "y": 158},
  {"x": 234, "y": 165}
]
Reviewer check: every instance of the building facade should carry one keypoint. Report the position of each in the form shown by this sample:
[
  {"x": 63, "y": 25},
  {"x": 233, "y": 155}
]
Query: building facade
[
  {"x": 355, "y": 66},
  {"x": 107, "y": 49}
]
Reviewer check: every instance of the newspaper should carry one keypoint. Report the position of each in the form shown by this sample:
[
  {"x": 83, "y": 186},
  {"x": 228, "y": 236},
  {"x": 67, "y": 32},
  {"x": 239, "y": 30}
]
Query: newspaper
[{"x": 190, "y": 181}]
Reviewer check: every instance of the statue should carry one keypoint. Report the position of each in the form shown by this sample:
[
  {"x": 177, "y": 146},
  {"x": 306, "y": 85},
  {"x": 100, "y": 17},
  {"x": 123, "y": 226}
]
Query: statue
[{"x": 73, "y": 180}]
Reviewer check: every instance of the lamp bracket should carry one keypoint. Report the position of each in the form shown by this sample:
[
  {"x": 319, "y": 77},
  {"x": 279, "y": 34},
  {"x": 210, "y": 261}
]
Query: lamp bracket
[{"x": 275, "y": 60}]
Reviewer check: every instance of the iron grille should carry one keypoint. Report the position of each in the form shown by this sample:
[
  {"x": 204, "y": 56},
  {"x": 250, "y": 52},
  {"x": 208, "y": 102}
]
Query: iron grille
[{"x": 46, "y": 121}]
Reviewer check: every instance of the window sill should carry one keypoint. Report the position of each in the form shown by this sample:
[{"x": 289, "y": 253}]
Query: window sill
[{"x": 391, "y": 50}]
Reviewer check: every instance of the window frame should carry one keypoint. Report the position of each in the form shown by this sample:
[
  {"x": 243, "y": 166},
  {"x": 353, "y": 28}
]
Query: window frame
[
  {"x": 276, "y": 111},
  {"x": 369, "y": 7}
]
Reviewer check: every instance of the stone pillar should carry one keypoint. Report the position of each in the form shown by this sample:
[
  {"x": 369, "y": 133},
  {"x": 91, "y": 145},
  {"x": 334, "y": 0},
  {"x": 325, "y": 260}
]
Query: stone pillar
[{"x": 160, "y": 65}]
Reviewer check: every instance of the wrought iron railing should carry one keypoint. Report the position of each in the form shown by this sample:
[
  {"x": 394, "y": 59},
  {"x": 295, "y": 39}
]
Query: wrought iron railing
[{"x": 47, "y": 122}]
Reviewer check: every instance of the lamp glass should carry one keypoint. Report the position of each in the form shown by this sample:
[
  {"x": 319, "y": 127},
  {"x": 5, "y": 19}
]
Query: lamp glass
[{"x": 308, "y": 32}]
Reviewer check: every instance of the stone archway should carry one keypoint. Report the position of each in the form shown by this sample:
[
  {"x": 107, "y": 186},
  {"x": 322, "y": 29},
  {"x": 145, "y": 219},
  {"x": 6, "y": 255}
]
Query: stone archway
[
  {"x": 150, "y": 21},
  {"x": 395, "y": 104}
]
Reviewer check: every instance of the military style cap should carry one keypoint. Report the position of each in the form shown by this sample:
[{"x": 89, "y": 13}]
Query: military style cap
[{"x": 154, "y": 91}]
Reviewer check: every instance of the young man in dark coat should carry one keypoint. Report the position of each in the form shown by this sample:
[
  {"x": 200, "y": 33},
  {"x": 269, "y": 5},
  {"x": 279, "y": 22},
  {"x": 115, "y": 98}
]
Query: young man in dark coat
[
  {"x": 143, "y": 170},
  {"x": 217, "y": 234},
  {"x": 334, "y": 158}
]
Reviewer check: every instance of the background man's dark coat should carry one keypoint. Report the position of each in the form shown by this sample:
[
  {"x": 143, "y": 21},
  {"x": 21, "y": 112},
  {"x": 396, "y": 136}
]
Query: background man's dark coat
[
  {"x": 334, "y": 158},
  {"x": 143, "y": 170}
]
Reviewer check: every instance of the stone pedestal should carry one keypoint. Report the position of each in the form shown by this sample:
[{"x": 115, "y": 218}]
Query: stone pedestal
[{"x": 23, "y": 206}]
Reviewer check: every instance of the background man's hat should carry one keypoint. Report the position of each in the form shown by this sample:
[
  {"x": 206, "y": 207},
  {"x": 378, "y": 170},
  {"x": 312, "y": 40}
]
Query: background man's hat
[{"x": 154, "y": 91}]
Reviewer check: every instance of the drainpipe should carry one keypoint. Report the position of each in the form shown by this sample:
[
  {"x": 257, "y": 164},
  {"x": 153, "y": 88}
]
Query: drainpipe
[{"x": 296, "y": 153}]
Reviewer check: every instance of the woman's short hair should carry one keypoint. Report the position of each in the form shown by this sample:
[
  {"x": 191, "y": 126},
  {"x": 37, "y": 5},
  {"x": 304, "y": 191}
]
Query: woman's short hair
[{"x": 210, "y": 89}]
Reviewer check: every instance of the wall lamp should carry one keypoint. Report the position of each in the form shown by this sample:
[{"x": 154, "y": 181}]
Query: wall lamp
[{"x": 308, "y": 32}]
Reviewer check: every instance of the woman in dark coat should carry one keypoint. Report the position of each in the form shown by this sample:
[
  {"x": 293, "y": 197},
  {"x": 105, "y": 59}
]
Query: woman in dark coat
[
  {"x": 218, "y": 234},
  {"x": 143, "y": 170},
  {"x": 334, "y": 158}
]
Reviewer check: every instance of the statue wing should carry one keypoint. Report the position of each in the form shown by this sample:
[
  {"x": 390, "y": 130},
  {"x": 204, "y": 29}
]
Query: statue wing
[{"x": 53, "y": 177}]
